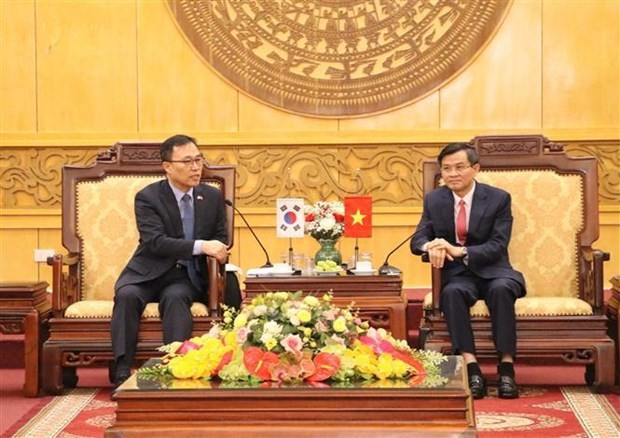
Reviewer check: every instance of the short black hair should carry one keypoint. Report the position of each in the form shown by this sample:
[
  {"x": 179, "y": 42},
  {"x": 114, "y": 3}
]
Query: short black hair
[
  {"x": 165, "y": 151},
  {"x": 453, "y": 148}
]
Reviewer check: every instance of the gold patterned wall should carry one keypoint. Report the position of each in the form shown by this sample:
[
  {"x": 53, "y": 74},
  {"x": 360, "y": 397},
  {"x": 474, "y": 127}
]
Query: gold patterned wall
[{"x": 390, "y": 173}]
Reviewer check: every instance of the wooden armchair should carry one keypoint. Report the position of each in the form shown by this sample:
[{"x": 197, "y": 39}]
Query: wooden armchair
[
  {"x": 99, "y": 233},
  {"x": 555, "y": 210}
]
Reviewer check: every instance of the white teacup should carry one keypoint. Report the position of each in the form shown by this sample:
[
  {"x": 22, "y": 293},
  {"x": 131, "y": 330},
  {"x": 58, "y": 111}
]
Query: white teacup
[{"x": 363, "y": 266}]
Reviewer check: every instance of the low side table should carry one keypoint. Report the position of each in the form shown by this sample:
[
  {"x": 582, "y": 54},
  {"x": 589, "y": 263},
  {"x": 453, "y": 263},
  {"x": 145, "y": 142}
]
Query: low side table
[
  {"x": 25, "y": 309},
  {"x": 613, "y": 313}
]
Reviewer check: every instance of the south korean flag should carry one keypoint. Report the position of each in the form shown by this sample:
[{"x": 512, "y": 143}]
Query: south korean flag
[{"x": 290, "y": 217}]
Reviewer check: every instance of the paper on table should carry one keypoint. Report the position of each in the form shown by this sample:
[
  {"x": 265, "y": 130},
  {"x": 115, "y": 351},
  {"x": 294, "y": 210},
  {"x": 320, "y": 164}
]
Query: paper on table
[{"x": 233, "y": 268}]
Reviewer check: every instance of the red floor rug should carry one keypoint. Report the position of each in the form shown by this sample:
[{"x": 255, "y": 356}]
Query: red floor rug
[{"x": 569, "y": 411}]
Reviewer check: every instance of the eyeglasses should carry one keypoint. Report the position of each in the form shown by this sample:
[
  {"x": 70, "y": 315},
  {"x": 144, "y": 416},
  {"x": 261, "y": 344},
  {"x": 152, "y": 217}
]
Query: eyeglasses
[
  {"x": 458, "y": 169},
  {"x": 198, "y": 161}
]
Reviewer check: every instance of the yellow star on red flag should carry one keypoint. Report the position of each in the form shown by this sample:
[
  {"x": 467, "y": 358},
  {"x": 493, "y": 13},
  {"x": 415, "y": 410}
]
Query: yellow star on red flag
[{"x": 358, "y": 216}]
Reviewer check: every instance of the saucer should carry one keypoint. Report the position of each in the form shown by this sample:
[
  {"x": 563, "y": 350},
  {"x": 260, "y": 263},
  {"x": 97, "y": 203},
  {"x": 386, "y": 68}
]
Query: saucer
[{"x": 370, "y": 272}]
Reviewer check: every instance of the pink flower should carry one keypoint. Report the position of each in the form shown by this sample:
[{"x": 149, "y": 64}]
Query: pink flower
[
  {"x": 242, "y": 335},
  {"x": 379, "y": 346},
  {"x": 187, "y": 346},
  {"x": 292, "y": 344}
]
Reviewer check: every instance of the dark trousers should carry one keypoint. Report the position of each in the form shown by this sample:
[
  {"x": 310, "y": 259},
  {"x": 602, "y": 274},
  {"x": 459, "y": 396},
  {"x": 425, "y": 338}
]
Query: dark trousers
[
  {"x": 499, "y": 294},
  {"x": 175, "y": 294}
]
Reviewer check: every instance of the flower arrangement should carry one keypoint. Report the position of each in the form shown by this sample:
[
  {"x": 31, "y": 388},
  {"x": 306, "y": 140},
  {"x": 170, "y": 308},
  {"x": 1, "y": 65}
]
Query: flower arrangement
[
  {"x": 324, "y": 220},
  {"x": 286, "y": 337}
]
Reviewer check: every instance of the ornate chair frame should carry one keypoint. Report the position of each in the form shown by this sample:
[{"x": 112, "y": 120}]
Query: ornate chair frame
[
  {"x": 83, "y": 341},
  {"x": 575, "y": 339}
]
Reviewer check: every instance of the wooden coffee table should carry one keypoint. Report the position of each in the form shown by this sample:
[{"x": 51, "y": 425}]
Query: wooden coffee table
[{"x": 196, "y": 408}]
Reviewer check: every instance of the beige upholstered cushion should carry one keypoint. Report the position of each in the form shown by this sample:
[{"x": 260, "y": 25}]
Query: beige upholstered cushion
[
  {"x": 526, "y": 306},
  {"x": 548, "y": 215},
  {"x": 103, "y": 309}
]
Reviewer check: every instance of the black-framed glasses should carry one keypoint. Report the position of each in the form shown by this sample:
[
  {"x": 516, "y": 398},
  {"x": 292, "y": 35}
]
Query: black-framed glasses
[{"x": 198, "y": 161}]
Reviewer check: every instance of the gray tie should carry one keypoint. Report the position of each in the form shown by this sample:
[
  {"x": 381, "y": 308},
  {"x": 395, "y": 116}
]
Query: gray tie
[{"x": 187, "y": 211}]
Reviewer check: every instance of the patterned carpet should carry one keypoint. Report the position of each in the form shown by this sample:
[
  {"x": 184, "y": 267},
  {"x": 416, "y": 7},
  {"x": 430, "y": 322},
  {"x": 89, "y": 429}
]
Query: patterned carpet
[{"x": 550, "y": 411}]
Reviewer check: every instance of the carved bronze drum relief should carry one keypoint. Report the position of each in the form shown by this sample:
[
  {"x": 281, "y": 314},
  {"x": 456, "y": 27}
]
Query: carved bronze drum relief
[{"x": 338, "y": 58}]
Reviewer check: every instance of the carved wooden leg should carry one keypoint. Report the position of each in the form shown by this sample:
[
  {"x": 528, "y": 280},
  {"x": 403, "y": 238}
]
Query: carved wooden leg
[
  {"x": 52, "y": 370},
  {"x": 69, "y": 377},
  {"x": 31, "y": 354},
  {"x": 605, "y": 365}
]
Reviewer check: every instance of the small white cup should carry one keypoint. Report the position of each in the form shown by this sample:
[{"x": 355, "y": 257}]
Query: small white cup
[{"x": 363, "y": 266}]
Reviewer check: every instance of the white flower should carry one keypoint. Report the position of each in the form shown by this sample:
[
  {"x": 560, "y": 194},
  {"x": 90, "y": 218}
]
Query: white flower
[{"x": 272, "y": 328}]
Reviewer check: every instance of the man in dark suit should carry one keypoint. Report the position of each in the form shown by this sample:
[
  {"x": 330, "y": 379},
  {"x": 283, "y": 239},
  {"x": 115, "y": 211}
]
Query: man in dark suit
[
  {"x": 465, "y": 229},
  {"x": 180, "y": 221}
]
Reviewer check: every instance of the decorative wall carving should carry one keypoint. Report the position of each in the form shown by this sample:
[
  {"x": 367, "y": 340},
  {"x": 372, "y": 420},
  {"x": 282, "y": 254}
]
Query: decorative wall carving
[
  {"x": 391, "y": 173},
  {"x": 32, "y": 177},
  {"x": 329, "y": 58}
]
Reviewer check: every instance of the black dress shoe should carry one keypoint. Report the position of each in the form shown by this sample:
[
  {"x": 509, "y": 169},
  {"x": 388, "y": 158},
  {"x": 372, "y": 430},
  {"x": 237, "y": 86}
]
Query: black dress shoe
[
  {"x": 120, "y": 378},
  {"x": 507, "y": 388},
  {"x": 478, "y": 386}
]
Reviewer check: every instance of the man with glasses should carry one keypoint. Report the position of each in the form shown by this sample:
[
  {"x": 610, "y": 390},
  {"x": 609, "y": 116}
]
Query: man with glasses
[
  {"x": 465, "y": 229},
  {"x": 180, "y": 221}
]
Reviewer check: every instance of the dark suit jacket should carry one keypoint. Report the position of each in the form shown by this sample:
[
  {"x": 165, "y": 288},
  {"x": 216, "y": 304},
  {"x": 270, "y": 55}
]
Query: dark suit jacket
[
  {"x": 490, "y": 226},
  {"x": 160, "y": 226}
]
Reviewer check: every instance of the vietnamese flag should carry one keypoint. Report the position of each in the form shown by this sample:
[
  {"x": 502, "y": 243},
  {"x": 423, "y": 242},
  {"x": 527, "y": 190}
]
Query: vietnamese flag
[{"x": 358, "y": 216}]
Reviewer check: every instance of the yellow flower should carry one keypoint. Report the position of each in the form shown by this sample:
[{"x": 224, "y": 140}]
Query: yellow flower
[
  {"x": 230, "y": 338},
  {"x": 340, "y": 324},
  {"x": 270, "y": 343},
  {"x": 240, "y": 321},
  {"x": 384, "y": 366},
  {"x": 311, "y": 301},
  {"x": 304, "y": 315}
]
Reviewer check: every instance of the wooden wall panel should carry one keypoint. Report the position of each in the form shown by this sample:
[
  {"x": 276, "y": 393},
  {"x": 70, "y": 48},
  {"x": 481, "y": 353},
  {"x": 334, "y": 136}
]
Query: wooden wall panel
[
  {"x": 86, "y": 66},
  {"x": 501, "y": 89},
  {"x": 581, "y": 64},
  {"x": 423, "y": 114},
  {"x": 177, "y": 91},
  {"x": 17, "y": 67},
  {"x": 17, "y": 254}
]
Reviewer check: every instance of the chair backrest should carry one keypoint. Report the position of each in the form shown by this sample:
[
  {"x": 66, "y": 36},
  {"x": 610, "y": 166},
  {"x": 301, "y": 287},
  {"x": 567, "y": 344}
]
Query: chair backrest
[
  {"x": 554, "y": 205},
  {"x": 98, "y": 210}
]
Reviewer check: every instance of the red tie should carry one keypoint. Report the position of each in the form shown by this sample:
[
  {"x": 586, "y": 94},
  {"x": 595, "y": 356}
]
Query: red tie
[{"x": 461, "y": 224}]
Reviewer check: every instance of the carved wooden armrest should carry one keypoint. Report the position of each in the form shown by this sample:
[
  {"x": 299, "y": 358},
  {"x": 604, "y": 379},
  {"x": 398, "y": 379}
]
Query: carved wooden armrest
[
  {"x": 216, "y": 273},
  {"x": 592, "y": 261},
  {"x": 64, "y": 282},
  {"x": 435, "y": 285}
]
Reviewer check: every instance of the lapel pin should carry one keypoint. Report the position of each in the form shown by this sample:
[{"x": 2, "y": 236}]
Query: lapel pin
[{"x": 199, "y": 198}]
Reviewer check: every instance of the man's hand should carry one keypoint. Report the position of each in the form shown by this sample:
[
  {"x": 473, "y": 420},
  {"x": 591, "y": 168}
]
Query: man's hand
[
  {"x": 215, "y": 248},
  {"x": 440, "y": 249}
]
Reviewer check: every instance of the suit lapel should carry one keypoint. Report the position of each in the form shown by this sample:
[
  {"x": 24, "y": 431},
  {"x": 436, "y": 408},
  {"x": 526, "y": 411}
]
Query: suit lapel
[
  {"x": 478, "y": 206},
  {"x": 172, "y": 207},
  {"x": 447, "y": 212}
]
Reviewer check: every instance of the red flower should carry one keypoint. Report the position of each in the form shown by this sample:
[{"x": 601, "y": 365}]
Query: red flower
[
  {"x": 339, "y": 217},
  {"x": 225, "y": 359},
  {"x": 259, "y": 363},
  {"x": 327, "y": 365},
  {"x": 186, "y": 346},
  {"x": 309, "y": 217}
]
